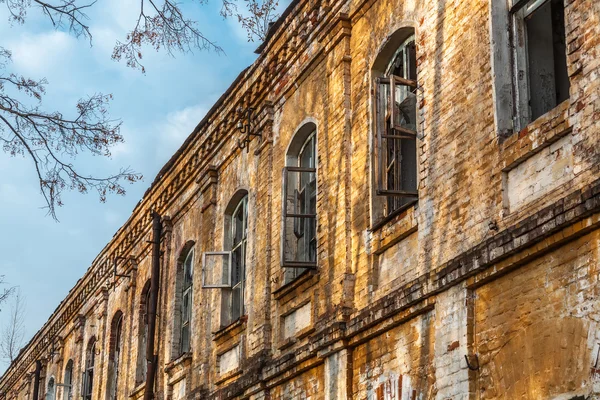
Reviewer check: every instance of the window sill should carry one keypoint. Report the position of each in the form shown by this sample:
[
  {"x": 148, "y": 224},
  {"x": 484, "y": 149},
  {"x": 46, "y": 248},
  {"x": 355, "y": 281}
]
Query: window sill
[
  {"x": 228, "y": 375},
  {"x": 519, "y": 148},
  {"x": 399, "y": 227},
  {"x": 292, "y": 340},
  {"x": 539, "y": 134},
  {"x": 307, "y": 276},
  {"x": 137, "y": 390},
  {"x": 183, "y": 360},
  {"x": 233, "y": 329},
  {"x": 394, "y": 217}
]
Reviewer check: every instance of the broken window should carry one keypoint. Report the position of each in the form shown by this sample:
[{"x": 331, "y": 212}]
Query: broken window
[
  {"x": 232, "y": 299},
  {"x": 299, "y": 239},
  {"x": 186, "y": 303},
  {"x": 226, "y": 270},
  {"x": 88, "y": 374},
  {"x": 396, "y": 127},
  {"x": 541, "y": 78}
]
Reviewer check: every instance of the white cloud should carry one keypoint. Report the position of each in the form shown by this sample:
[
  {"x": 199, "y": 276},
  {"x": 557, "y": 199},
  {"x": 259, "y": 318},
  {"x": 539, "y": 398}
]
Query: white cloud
[
  {"x": 176, "y": 128},
  {"x": 37, "y": 54}
]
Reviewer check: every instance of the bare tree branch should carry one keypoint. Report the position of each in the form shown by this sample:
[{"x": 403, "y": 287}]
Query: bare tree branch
[
  {"x": 5, "y": 293},
  {"x": 64, "y": 14},
  {"x": 161, "y": 27},
  {"x": 50, "y": 139},
  {"x": 13, "y": 334},
  {"x": 255, "y": 17}
]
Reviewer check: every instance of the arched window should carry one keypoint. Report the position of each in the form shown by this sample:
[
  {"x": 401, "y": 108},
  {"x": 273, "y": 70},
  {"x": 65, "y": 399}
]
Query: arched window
[
  {"x": 299, "y": 238},
  {"x": 88, "y": 374},
  {"x": 236, "y": 236},
  {"x": 396, "y": 87},
  {"x": 68, "y": 381},
  {"x": 51, "y": 389},
  {"x": 116, "y": 342},
  {"x": 226, "y": 270},
  {"x": 142, "y": 364},
  {"x": 186, "y": 302}
]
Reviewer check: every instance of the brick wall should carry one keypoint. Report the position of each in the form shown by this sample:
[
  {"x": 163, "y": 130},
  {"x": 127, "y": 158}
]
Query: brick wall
[
  {"x": 496, "y": 262},
  {"x": 535, "y": 329},
  {"x": 398, "y": 364}
]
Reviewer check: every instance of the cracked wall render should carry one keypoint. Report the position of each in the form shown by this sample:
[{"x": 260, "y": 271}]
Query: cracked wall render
[{"x": 535, "y": 328}]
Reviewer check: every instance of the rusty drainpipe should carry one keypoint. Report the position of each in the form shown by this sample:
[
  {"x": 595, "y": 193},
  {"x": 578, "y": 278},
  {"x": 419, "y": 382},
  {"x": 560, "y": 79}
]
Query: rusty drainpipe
[
  {"x": 151, "y": 358},
  {"x": 36, "y": 380}
]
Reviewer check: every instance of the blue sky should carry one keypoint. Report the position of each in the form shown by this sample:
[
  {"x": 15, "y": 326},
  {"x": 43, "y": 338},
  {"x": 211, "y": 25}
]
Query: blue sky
[{"x": 158, "y": 110}]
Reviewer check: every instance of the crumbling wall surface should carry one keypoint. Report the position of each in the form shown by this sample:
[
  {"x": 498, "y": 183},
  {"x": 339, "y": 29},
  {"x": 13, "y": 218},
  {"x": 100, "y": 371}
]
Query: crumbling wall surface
[
  {"x": 536, "y": 329},
  {"x": 392, "y": 309},
  {"x": 398, "y": 364},
  {"x": 308, "y": 385}
]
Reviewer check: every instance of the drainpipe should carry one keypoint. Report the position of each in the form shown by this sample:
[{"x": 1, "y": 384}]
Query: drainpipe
[
  {"x": 151, "y": 358},
  {"x": 36, "y": 380}
]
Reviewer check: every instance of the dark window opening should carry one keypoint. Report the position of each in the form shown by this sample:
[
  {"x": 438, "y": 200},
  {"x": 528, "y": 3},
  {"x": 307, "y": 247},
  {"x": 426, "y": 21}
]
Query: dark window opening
[
  {"x": 142, "y": 367},
  {"x": 232, "y": 299},
  {"x": 115, "y": 354},
  {"x": 68, "y": 381},
  {"x": 226, "y": 270},
  {"x": 88, "y": 374},
  {"x": 396, "y": 125},
  {"x": 300, "y": 209},
  {"x": 545, "y": 84},
  {"x": 186, "y": 303}
]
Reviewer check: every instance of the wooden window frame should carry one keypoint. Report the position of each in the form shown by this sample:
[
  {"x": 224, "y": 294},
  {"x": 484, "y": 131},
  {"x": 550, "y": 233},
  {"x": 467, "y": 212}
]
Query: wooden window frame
[
  {"x": 301, "y": 221},
  {"x": 297, "y": 217},
  {"x": 391, "y": 136}
]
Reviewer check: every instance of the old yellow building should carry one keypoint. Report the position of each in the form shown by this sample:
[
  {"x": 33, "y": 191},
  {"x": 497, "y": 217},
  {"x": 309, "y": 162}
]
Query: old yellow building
[{"x": 415, "y": 215}]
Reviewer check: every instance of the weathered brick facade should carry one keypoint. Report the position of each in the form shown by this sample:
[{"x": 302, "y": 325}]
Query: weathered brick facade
[{"x": 486, "y": 288}]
